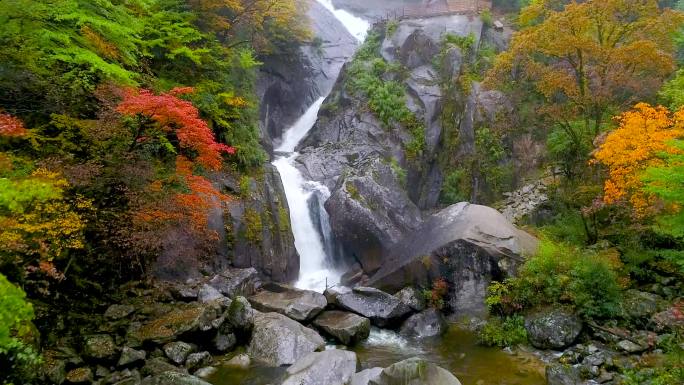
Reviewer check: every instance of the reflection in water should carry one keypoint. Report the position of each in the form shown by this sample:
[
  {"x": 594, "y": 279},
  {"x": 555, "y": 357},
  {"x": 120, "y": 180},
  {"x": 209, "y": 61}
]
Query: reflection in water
[{"x": 456, "y": 351}]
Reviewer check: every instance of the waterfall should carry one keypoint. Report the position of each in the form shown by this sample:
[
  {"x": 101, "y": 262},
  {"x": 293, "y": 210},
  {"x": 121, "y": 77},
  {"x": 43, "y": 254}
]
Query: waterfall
[
  {"x": 314, "y": 266},
  {"x": 313, "y": 239}
]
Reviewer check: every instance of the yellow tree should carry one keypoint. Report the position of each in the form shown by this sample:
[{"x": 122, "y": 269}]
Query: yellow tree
[
  {"x": 644, "y": 135},
  {"x": 585, "y": 59}
]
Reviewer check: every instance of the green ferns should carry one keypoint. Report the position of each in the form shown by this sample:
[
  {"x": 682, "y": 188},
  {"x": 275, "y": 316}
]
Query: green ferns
[{"x": 368, "y": 72}]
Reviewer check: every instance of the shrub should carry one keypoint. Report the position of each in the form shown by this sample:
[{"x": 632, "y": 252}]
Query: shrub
[
  {"x": 561, "y": 274},
  {"x": 17, "y": 359},
  {"x": 502, "y": 332},
  {"x": 487, "y": 18},
  {"x": 435, "y": 296}
]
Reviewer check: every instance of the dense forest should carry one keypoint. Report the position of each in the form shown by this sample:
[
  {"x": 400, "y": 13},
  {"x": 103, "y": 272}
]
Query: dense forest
[{"x": 118, "y": 117}]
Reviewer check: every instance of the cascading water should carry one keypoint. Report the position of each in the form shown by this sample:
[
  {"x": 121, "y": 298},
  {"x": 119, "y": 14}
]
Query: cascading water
[{"x": 313, "y": 239}]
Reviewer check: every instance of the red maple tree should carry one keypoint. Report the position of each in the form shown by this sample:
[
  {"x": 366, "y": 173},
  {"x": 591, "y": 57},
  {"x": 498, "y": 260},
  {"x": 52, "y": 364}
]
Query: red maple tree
[
  {"x": 180, "y": 116},
  {"x": 11, "y": 126}
]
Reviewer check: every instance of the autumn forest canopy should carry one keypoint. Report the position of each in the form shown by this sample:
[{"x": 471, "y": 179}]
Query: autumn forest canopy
[{"x": 118, "y": 119}]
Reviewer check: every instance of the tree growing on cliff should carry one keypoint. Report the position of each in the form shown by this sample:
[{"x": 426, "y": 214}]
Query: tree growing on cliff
[{"x": 585, "y": 60}]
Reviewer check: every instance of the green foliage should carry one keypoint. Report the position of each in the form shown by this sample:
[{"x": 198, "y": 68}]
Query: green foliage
[
  {"x": 391, "y": 27},
  {"x": 487, "y": 18},
  {"x": 503, "y": 332},
  {"x": 456, "y": 187},
  {"x": 398, "y": 171},
  {"x": 254, "y": 226},
  {"x": 561, "y": 274},
  {"x": 18, "y": 360},
  {"x": 666, "y": 182},
  {"x": 569, "y": 146},
  {"x": 386, "y": 98},
  {"x": 669, "y": 370}
]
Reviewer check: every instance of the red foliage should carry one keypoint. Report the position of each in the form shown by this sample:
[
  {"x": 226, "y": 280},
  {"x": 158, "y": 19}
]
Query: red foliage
[
  {"x": 11, "y": 126},
  {"x": 174, "y": 114}
]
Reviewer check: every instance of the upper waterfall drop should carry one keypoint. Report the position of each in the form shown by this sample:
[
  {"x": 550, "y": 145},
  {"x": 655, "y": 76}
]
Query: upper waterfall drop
[{"x": 356, "y": 26}]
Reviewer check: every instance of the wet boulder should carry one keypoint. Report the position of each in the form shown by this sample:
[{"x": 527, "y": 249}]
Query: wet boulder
[
  {"x": 381, "y": 308},
  {"x": 347, "y": 328},
  {"x": 131, "y": 356},
  {"x": 233, "y": 282},
  {"x": 99, "y": 347},
  {"x": 300, "y": 305},
  {"x": 329, "y": 367},
  {"x": 178, "y": 351},
  {"x": 208, "y": 293},
  {"x": 428, "y": 323},
  {"x": 198, "y": 360},
  {"x": 278, "y": 340},
  {"x": 412, "y": 297},
  {"x": 415, "y": 371},
  {"x": 554, "y": 329},
  {"x": 240, "y": 315},
  {"x": 468, "y": 245}
]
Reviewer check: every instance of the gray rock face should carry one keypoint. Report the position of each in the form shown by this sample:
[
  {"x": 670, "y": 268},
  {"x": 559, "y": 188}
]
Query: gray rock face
[
  {"x": 262, "y": 236},
  {"x": 278, "y": 340},
  {"x": 129, "y": 356},
  {"x": 429, "y": 323},
  {"x": 329, "y": 367},
  {"x": 348, "y": 328},
  {"x": 381, "y": 308},
  {"x": 553, "y": 329},
  {"x": 467, "y": 244},
  {"x": 300, "y": 305},
  {"x": 178, "y": 351},
  {"x": 99, "y": 347},
  {"x": 234, "y": 282},
  {"x": 415, "y": 371},
  {"x": 641, "y": 305},
  {"x": 369, "y": 212},
  {"x": 198, "y": 360},
  {"x": 208, "y": 293},
  {"x": 411, "y": 297},
  {"x": 562, "y": 375},
  {"x": 366, "y": 377},
  {"x": 172, "y": 378}
]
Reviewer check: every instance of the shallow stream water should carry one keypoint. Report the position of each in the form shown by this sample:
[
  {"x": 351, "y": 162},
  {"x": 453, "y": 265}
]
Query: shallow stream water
[{"x": 456, "y": 351}]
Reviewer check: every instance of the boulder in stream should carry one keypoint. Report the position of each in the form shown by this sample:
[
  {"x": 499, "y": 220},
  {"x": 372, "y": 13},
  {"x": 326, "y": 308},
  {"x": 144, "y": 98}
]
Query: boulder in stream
[
  {"x": 348, "y": 328},
  {"x": 278, "y": 340},
  {"x": 381, "y": 308},
  {"x": 415, "y": 371},
  {"x": 300, "y": 305},
  {"x": 428, "y": 323},
  {"x": 329, "y": 367}
]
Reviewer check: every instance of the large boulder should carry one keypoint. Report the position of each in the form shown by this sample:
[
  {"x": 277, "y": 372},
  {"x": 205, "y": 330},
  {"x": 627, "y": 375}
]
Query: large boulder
[
  {"x": 428, "y": 323},
  {"x": 554, "y": 329},
  {"x": 177, "y": 322},
  {"x": 329, "y": 367},
  {"x": 233, "y": 282},
  {"x": 240, "y": 315},
  {"x": 300, "y": 305},
  {"x": 278, "y": 340},
  {"x": 640, "y": 305},
  {"x": 347, "y": 328},
  {"x": 559, "y": 374},
  {"x": 99, "y": 347},
  {"x": 415, "y": 371},
  {"x": 381, "y": 308},
  {"x": 469, "y": 245}
]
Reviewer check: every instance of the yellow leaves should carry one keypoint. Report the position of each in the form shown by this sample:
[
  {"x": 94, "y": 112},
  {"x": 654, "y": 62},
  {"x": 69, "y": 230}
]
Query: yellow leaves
[
  {"x": 102, "y": 46},
  {"x": 644, "y": 133}
]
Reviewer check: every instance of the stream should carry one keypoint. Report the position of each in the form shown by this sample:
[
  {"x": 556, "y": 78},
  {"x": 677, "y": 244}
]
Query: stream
[{"x": 457, "y": 351}]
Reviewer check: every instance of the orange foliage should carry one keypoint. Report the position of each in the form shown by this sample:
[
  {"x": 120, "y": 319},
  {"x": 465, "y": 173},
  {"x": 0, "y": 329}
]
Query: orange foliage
[
  {"x": 11, "y": 126},
  {"x": 178, "y": 116},
  {"x": 643, "y": 134}
]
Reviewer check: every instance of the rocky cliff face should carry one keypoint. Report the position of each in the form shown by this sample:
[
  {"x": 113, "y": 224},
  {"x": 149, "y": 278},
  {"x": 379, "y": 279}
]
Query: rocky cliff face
[{"x": 382, "y": 200}]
